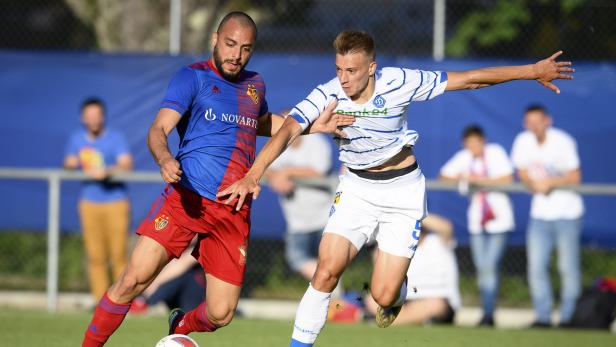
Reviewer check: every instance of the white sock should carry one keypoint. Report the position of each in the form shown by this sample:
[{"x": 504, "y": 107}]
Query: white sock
[
  {"x": 311, "y": 316},
  {"x": 402, "y": 296}
]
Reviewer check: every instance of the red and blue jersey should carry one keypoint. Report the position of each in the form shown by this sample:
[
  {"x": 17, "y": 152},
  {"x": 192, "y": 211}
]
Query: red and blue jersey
[{"x": 218, "y": 127}]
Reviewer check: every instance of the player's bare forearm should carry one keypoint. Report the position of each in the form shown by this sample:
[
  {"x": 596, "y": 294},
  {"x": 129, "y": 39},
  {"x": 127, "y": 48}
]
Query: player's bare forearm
[
  {"x": 274, "y": 147},
  {"x": 269, "y": 124},
  {"x": 544, "y": 72},
  {"x": 158, "y": 145},
  {"x": 480, "y": 78}
]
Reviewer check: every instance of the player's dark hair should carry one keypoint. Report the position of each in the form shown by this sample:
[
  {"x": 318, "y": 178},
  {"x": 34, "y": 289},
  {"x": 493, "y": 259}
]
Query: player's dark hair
[
  {"x": 472, "y": 130},
  {"x": 536, "y": 107},
  {"x": 240, "y": 16},
  {"x": 93, "y": 101},
  {"x": 350, "y": 41}
]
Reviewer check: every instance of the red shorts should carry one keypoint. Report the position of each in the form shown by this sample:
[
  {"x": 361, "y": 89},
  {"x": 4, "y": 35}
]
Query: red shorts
[{"x": 180, "y": 214}]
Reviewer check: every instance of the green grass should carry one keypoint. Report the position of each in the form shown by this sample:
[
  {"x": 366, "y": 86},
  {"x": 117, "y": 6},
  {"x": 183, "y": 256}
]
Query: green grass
[{"x": 29, "y": 328}]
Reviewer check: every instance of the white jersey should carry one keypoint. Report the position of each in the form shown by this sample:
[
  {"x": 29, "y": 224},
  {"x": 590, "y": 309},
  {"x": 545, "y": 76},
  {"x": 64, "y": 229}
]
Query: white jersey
[{"x": 380, "y": 128}]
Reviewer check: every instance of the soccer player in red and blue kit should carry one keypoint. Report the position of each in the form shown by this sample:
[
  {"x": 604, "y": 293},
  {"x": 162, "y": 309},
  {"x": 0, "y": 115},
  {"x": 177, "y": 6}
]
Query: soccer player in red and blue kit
[{"x": 218, "y": 109}]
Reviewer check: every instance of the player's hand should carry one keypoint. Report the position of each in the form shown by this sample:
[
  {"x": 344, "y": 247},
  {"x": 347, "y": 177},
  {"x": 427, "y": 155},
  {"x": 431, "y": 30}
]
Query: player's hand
[
  {"x": 549, "y": 69},
  {"x": 170, "y": 170},
  {"x": 240, "y": 191},
  {"x": 331, "y": 122}
]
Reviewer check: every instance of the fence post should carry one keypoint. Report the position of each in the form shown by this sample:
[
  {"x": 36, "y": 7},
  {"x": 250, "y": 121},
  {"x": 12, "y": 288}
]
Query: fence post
[
  {"x": 175, "y": 27},
  {"x": 53, "y": 238},
  {"x": 438, "y": 43}
]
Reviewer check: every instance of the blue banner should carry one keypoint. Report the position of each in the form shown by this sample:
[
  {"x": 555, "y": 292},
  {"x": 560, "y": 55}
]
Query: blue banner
[{"x": 40, "y": 95}]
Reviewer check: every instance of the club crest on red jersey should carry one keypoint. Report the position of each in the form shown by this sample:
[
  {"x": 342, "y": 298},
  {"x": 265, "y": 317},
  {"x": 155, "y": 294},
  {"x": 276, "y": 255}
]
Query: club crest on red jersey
[
  {"x": 253, "y": 93},
  {"x": 242, "y": 250},
  {"x": 161, "y": 222}
]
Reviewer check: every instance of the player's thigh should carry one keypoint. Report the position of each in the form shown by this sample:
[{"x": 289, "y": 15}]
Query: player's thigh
[
  {"x": 147, "y": 259},
  {"x": 335, "y": 253},
  {"x": 352, "y": 216},
  {"x": 221, "y": 298},
  {"x": 388, "y": 273}
]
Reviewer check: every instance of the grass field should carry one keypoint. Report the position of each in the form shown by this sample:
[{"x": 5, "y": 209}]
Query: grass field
[{"x": 19, "y": 328}]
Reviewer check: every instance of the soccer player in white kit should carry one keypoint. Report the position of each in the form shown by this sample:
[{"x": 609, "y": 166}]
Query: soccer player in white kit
[{"x": 382, "y": 196}]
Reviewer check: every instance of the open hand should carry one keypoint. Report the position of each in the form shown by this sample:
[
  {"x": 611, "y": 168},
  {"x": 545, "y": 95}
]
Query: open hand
[
  {"x": 331, "y": 122},
  {"x": 549, "y": 69},
  {"x": 240, "y": 190}
]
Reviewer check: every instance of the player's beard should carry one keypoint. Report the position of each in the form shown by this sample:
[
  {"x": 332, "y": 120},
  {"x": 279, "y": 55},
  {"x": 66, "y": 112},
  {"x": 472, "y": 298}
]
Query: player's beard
[{"x": 229, "y": 76}]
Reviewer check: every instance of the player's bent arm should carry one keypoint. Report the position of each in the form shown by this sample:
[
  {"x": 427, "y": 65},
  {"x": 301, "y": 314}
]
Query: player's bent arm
[
  {"x": 492, "y": 180},
  {"x": 272, "y": 149},
  {"x": 269, "y": 124},
  {"x": 165, "y": 121},
  {"x": 543, "y": 71},
  {"x": 287, "y": 133}
]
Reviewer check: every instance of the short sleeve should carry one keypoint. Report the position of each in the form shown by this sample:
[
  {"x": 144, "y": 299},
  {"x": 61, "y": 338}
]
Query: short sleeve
[
  {"x": 309, "y": 109},
  {"x": 455, "y": 165},
  {"x": 425, "y": 85},
  {"x": 520, "y": 161},
  {"x": 181, "y": 90},
  {"x": 72, "y": 146},
  {"x": 121, "y": 145},
  {"x": 499, "y": 163},
  {"x": 570, "y": 159}
]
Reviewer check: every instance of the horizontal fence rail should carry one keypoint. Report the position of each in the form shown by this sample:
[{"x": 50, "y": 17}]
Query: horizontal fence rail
[{"x": 54, "y": 178}]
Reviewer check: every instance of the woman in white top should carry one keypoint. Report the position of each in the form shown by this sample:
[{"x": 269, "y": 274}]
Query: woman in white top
[{"x": 490, "y": 215}]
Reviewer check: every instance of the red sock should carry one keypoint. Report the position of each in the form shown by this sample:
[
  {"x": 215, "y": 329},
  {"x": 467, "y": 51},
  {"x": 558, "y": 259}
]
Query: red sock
[
  {"x": 107, "y": 318},
  {"x": 195, "y": 320}
]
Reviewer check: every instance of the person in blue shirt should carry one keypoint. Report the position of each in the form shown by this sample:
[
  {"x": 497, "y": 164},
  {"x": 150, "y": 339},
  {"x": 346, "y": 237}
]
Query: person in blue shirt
[{"x": 103, "y": 205}]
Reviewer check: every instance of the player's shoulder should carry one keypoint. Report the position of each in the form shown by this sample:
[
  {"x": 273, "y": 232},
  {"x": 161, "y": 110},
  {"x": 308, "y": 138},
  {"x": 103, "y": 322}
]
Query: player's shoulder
[
  {"x": 390, "y": 72},
  {"x": 330, "y": 87}
]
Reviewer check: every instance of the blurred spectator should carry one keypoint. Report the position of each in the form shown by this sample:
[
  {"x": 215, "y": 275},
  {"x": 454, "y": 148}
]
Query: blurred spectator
[
  {"x": 305, "y": 208},
  {"x": 181, "y": 284},
  {"x": 433, "y": 293},
  {"x": 489, "y": 214},
  {"x": 546, "y": 159},
  {"x": 103, "y": 205}
]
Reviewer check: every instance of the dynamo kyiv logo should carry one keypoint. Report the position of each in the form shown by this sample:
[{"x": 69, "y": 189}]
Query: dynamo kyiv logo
[{"x": 379, "y": 102}]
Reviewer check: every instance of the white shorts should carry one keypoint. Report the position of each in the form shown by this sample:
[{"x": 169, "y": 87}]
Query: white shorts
[{"x": 388, "y": 211}]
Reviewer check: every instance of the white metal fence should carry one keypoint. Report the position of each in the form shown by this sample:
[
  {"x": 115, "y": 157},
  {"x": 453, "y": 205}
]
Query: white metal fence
[{"x": 54, "y": 178}]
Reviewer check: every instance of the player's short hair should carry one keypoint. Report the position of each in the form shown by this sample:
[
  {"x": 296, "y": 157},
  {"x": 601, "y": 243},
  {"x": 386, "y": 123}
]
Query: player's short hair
[
  {"x": 93, "y": 101},
  {"x": 242, "y": 17},
  {"x": 351, "y": 41},
  {"x": 536, "y": 107},
  {"x": 472, "y": 130}
]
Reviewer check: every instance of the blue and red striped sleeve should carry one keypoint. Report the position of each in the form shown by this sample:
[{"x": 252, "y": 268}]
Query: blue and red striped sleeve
[{"x": 182, "y": 90}]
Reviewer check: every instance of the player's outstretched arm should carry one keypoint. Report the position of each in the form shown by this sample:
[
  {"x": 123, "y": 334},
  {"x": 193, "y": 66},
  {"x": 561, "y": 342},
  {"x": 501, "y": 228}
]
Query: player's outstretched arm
[
  {"x": 273, "y": 148},
  {"x": 327, "y": 122},
  {"x": 165, "y": 121},
  {"x": 544, "y": 71},
  {"x": 288, "y": 132}
]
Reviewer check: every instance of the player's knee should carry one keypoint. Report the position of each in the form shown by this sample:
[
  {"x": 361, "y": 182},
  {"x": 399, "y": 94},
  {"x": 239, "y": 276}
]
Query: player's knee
[
  {"x": 324, "y": 280},
  {"x": 220, "y": 316},
  {"x": 385, "y": 296}
]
